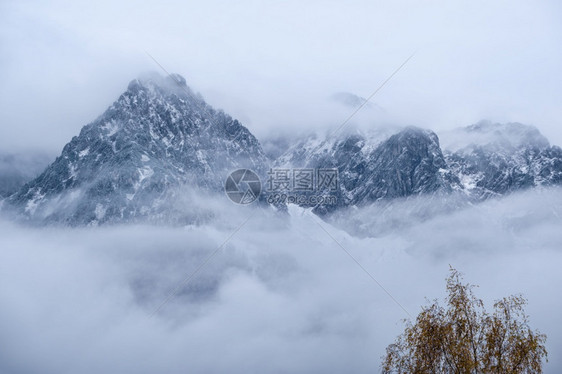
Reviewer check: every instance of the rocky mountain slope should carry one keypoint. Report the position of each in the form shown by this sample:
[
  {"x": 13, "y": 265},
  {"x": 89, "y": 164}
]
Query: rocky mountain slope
[
  {"x": 479, "y": 161},
  {"x": 16, "y": 169},
  {"x": 160, "y": 139},
  {"x": 378, "y": 165},
  {"x": 128, "y": 164},
  {"x": 493, "y": 159}
]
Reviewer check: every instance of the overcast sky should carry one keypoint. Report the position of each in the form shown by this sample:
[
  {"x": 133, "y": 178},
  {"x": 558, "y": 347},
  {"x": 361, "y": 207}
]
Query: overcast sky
[{"x": 274, "y": 64}]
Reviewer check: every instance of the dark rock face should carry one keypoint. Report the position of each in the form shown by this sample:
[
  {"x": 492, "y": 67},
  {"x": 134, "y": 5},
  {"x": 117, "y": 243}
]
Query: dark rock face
[
  {"x": 408, "y": 163},
  {"x": 125, "y": 165},
  {"x": 135, "y": 162},
  {"x": 507, "y": 158},
  {"x": 372, "y": 168},
  {"x": 486, "y": 160}
]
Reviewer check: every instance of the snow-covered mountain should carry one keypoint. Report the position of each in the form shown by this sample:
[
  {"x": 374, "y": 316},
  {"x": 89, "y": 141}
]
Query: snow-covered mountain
[
  {"x": 160, "y": 139},
  {"x": 492, "y": 159},
  {"x": 479, "y": 161},
  {"x": 131, "y": 162},
  {"x": 377, "y": 165}
]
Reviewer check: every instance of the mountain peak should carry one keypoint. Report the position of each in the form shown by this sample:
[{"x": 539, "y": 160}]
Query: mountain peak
[
  {"x": 178, "y": 79},
  {"x": 135, "y": 161},
  {"x": 515, "y": 133},
  {"x": 170, "y": 84},
  {"x": 506, "y": 137},
  {"x": 129, "y": 163},
  {"x": 492, "y": 159}
]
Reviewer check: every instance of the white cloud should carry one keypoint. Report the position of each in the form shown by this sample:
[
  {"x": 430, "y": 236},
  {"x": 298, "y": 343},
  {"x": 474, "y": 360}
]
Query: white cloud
[{"x": 280, "y": 296}]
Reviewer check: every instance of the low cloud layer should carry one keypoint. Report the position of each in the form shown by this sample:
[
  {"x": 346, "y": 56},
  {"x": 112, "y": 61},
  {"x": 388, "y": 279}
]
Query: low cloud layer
[{"x": 280, "y": 296}]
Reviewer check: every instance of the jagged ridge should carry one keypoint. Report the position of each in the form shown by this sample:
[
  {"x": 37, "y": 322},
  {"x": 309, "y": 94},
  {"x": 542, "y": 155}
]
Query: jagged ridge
[
  {"x": 123, "y": 166},
  {"x": 159, "y": 136}
]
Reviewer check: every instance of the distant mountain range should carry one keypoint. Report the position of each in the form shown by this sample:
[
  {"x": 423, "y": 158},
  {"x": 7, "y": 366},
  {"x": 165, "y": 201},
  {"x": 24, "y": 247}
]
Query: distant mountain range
[
  {"x": 479, "y": 161},
  {"x": 160, "y": 138}
]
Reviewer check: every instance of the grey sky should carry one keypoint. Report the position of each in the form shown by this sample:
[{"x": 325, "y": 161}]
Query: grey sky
[{"x": 274, "y": 64}]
